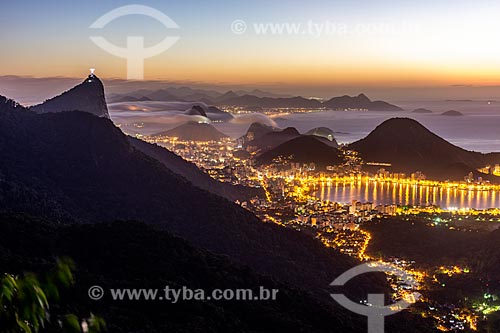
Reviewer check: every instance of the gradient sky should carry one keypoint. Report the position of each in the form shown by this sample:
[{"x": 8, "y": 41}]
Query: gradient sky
[{"x": 439, "y": 42}]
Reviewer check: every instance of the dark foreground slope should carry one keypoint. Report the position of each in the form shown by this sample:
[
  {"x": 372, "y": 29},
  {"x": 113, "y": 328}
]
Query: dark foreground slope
[
  {"x": 409, "y": 147},
  {"x": 133, "y": 255},
  {"x": 197, "y": 177},
  {"x": 82, "y": 168}
]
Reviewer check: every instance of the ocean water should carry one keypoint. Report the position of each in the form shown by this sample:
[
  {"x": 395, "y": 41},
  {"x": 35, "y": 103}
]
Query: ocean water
[
  {"x": 478, "y": 129},
  {"x": 406, "y": 194}
]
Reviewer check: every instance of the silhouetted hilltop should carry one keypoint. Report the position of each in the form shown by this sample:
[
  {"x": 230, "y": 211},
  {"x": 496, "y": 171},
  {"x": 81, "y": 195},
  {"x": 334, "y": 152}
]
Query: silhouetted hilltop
[
  {"x": 210, "y": 112},
  {"x": 274, "y": 139},
  {"x": 359, "y": 102},
  {"x": 257, "y": 130},
  {"x": 303, "y": 149},
  {"x": 226, "y": 96},
  {"x": 452, "y": 113},
  {"x": 267, "y": 138},
  {"x": 196, "y": 110},
  {"x": 194, "y": 131},
  {"x": 323, "y": 132},
  {"x": 120, "y": 99},
  {"x": 9, "y": 105},
  {"x": 409, "y": 147},
  {"x": 336, "y": 103},
  {"x": 214, "y": 113},
  {"x": 88, "y": 96},
  {"x": 135, "y": 255}
]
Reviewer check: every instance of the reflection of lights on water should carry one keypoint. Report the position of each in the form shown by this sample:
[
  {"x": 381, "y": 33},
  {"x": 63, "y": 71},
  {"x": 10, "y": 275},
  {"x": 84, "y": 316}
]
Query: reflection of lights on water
[{"x": 407, "y": 194}]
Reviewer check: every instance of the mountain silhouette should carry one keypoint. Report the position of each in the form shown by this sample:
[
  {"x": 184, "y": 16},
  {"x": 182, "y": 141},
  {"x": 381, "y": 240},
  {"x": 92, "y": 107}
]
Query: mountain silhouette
[
  {"x": 323, "y": 132},
  {"x": 196, "y": 110},
  {"x": 88, "y": 96},
  {"x": 226, "y": 96},
  {"x": 194, "y": 131},
  {"x": 359, "y": 102},
  {"x": 257, "y": 130},
  {"x": 121, "y": 99},
  {"x": 266, "y": 138},
  {"x": 162, "y": 95},
  {"x": 214, "y": 113},
  {"x": 211, "y": 112},
  {"x": 422, "y": 110},
  {"x": 256, "y": 99},
  {"x": 272, "y": 102},
  {"x": 336, "y": 103},
  {"x": 452, "y": 113},
  {"x": 273, "y": 139},
  {"x": 409, "y": 147},
  {"x": 303, "y": 149}
]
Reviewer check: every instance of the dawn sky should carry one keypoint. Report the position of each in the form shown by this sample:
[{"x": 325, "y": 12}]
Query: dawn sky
[{"x": 443, "y": 42}]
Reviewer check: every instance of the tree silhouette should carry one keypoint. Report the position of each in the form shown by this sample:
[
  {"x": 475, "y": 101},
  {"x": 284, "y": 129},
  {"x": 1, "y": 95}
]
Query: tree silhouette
[{"x": 24, "y": 303}]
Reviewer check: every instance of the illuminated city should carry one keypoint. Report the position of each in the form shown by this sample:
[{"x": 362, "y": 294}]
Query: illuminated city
[
  {"x": 260, "y": 166},
  {"x": 297, "y": 197}
]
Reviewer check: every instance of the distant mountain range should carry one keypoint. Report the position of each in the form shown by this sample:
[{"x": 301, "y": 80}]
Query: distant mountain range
[
  {"x": 256, "y": 99},
  {"x": 359, "y": 102},
  {"x": 270, "y": 102},
  {"x": 87, "y": 96},
  {"x": 189, "y": 94},
  {"x": 261, "y": 93},
  {"x": 410, "y": 147},
  {"x": 422, "y": 110}
]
